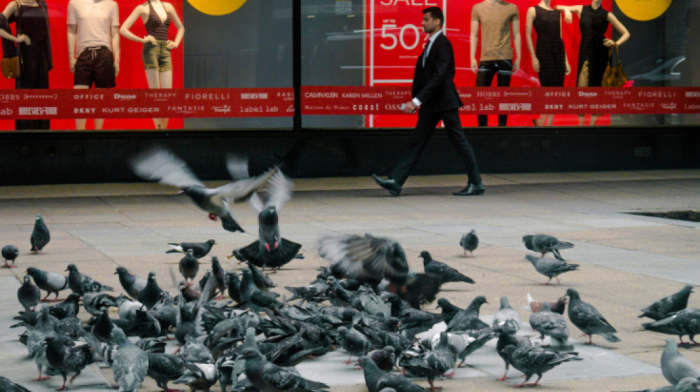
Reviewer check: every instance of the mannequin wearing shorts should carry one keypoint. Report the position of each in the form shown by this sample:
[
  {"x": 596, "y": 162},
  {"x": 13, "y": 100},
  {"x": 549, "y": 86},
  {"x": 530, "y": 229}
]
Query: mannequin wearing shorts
[
  {"x": 93, "y": 46},
  {"x": 156, "y": 16}
]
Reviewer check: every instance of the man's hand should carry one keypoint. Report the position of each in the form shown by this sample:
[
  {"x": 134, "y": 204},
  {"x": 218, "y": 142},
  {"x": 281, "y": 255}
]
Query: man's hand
[{"x": 410, "y": 107}]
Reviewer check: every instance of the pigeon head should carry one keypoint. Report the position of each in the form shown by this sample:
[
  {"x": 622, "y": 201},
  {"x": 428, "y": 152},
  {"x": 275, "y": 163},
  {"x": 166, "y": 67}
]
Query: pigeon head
[
  {"x": 687, "y": 289},
  {"x": 232, "y": 277},
  {"x": 121, "y": 271},
  {"x": 196, "y": 193},
  {"x": 190, "y": 252},
  {"x": 527, "y": 238},
  {"x": 33, "y": 272},
  {"x": 504, "y": 303},
  {"x": 182, "y": 285},
  {"x": 425, "y": 255},
  {"x": 392, "y": 323},
  {"x": 572, "y": 294},
  {"x": 444, "y": 340},
  {"x": 389, "y": 350},
  {"x": 72, "y": 267},
  {"x": 39, "y": 219},
  {"x": 442, "y": 302},
  {"x": 151, "y": 277},
  {"x": 472, "y": 232},
  {"x": 342, "y": 331},
  {"x": 73, "y": 298},
  {"x": 671, "y": 343},
  {"x": 215, "y": 263},
  {"x": 546, "y": 307},
  {"x": 211, "y": 242},
  {"x": 478, "y": 301},
  {"x": 533, "y": 259},
  {"x": 249, "y": 353},
  {"x": 27, "y": 279}
]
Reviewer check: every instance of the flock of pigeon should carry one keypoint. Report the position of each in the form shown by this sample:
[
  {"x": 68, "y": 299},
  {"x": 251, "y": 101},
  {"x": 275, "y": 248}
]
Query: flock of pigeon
[{"x": 366, "y": 302}]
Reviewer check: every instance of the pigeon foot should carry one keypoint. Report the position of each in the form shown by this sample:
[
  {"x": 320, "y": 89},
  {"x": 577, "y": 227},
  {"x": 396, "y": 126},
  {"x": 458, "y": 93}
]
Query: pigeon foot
[
  {"x": 348, "y": 361},
  {"x": 40, "y": 378},
  {"x": 520, "y": 385},
  {"x": 505, "y": 377},
  {"x": 451, "y": 374},
  {"x": 213, "y": 217}
]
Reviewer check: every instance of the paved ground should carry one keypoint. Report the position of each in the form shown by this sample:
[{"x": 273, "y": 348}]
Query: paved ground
[{"x": 628, "y": 261}]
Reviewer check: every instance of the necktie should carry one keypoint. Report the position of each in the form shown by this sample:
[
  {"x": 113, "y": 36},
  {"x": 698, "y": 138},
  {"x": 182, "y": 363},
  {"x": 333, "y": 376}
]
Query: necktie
[{"x": 425, "y": 52}]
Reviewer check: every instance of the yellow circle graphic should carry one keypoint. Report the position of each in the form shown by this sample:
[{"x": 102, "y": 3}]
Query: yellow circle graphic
[
  {"x": 217, "y": 7},
  {"x": 643, "y": 9}
]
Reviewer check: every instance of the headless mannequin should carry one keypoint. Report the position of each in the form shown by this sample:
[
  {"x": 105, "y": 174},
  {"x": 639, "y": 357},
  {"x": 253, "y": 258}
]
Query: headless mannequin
[
  {"x": 531, "y": 15},
  {"x": 503, "y": 74},
  {"x": 625, "y": 35},
  {"x": 155, "y": 78},
  {"x": 72, "y": 57}
]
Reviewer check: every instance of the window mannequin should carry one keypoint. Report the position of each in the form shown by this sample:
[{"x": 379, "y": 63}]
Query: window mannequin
[
  {"x": 496, "y": 18},
  {"x": 93, "y": 46},
  {"x": 156, "y": 16},
  {"x": 595, "y": 47},
  {"x": 31, "y": 17},
  {"x": 549, "y": 60}
]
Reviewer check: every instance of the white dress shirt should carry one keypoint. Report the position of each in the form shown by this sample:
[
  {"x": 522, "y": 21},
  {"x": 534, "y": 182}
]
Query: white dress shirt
[{"x": 429, "y": 45}]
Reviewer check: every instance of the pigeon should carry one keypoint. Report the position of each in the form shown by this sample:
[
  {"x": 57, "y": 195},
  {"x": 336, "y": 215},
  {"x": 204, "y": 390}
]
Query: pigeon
[
  {"x": 544, "y": 244},
  {"x": 507, "y": 337},
  {"x": 36, "y": 342},
  {"x": 128, "y": 362},
  {"x": 95, "y": 302},
  {"x": 50, "y": 282},
  {"x": 556, "y": 307},
  {"x": 199, "y": 249},
  {"x": 189, "y": 266},
  {"x": 587, "y": 318},
  {"x": 688, "y": 384},
  {"x": 550, "y": 324},
  {"x": 40, "y": 236},
  {"x": 468, "y": 319},
  {"x": 10, "y": 253},
  {"x": 8, "y": 386},
  {"x": 234, "y": 286},
  {"x": 675, "y": 366},
  {"x": 535, "y": 360},
  {"x": 68, "y": 308},
  {"x": 102, "y": 328},
  {"x": 81, "y": 284},
  {"x": 368, "y": 259},
  {"x": 198, "y": 376},
  {"x": 261, "y": 280},
  {"x": 685, "y": 322},
  {"x": 132, "y": 284},
  {"x": 378, "y": 380},
  {"x": 188, "y": 293},
  {"x": 507, "y": 315},
  {"x": 28, "y": 294},
  {"x": 67, "y": 359},
  {"x": 163, "y": 166},
  {"x": 353, "y": 342},
  {"x": 218, "y": 274},
  {"x": 419, "y": 289},
  {"x": 385, "y": 358},
  {"x": 469, "y": 243},
  {"x": 551, "y": 268},
  {"x": 151, "y": 293},
  {"x": 429, "y": 363},
  {"x": 665, "y": 307},
  {"x": 396, "y": 340},
  {"x": 268, "y": 377},
  {"x": 127, "y": 308},
  {"x": 164, "y": 368},
  {"x": 270, "y": 250},
  {"x": 448, "y": 309},
  {"x": 442, "y": 271}
]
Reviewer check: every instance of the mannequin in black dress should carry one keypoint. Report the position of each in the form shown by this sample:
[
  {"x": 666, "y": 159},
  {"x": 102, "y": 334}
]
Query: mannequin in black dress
[
  {"x": 34, "y": 45},
  {"x": 595, "y": 47},
  {"x": 549, "y": 60}
]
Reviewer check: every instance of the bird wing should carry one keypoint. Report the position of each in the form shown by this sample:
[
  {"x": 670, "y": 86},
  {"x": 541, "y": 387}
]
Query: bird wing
[
  {"x": 56, "y": 281},
  {"x": 241, "y": 190},
  {"x": 589, "y": 318},
  {"x": 365, "y": 257},
  {"x": 159, "y": 164},
  {"x": 680, "y": 367},
  {"x": 279, "y": 190},
  {"x": 237, "y": 167},
  {"x": 130, "y": 367},
  {"x": 286, "y": 378}
]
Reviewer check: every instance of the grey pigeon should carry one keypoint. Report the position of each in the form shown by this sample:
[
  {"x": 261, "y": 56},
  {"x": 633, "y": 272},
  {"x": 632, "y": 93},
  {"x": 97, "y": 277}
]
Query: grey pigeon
[
  {"x": 685, "y": 322},
  {"x": 671, "y": 304},
  {"x": 507, "y": 315},
  {"x": 189, "y": 266},
  {"x": 198, "y": 376},
  {"x": 81, "y": 284},
  {"x": 219, "y": 275},
  {"x": 10, "y": 253},
  {"x": 164, "y": 368},
  {"x": 234, "y": 286},
  {"x": 261, "y": 279},
  {"x": 468, "y": 319},
  {"x": 688, "y": 384},
  {"x": 366, "y": 259},
  {"x": 68, "y": 308},
  {"x": 587, "y": 318},
  {"x": 8, "y": 386},
  {"x": 429, "y": 363},
  {"x": 193, "y": 352},
  {"x": 378, "y": 380},
  {"x": 28, "y": 294},
  {"x": 442, "y": 271},
  {"x": 268, "y": 377},
  {"x": 469, "y": 243},
  {"x": 353, "y": 342},
  {"x": 675, "y": 366},
  {"x": 151, "y": 293},
  {"x": 132, "y": 284},
  {"x": 40, "y": 236},
  {"x": 36, "y": 342},
  {"x": 65, "y": 359},
  {"x": 95, "y": 302},
  {"x": 158, "y": 164},
  {"x": 535, "y": 360},
  {"x": 507, "y": 337},
  {"x": 550, "y": 324},
  {"x": 129, "y": 363},
  {"x": 199, "y": 249},
  {"x": 551, "y": 268},
  {"x": 50, "y": 282},
  {"x": 385, "y": 358},
  {"x": 544, "y": 244},
  {"x": 270, "y": 250}
]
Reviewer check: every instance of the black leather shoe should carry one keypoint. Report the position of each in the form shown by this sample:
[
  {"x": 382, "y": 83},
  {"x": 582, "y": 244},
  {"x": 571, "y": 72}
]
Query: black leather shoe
[
  {"x": 472, "y": 190},
  {"x": 389, "y": 185}
]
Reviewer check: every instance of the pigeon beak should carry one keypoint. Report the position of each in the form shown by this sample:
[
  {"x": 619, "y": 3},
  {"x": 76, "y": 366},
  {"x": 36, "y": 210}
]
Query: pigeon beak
[
  {"x": 181, "y": 191},
  {"x": 115, "y": 273},
  {"x": 229, "y": 257},
  {"x": 267, "y": 246}
]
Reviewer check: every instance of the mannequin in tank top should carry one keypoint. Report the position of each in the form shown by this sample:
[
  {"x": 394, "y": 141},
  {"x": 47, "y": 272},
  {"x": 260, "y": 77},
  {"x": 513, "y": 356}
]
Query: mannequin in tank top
[
  {"x": 549, "y": 60},
  {"x": 156, "y": 16},
  {"x": 594, "y": 45}
]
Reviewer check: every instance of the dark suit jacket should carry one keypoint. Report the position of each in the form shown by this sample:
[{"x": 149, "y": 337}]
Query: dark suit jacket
[{"x": 433, "y": 84}]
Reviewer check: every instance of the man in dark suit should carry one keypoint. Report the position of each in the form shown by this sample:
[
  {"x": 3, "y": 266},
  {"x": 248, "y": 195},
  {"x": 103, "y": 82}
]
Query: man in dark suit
[{"x": 436, "y": 99}]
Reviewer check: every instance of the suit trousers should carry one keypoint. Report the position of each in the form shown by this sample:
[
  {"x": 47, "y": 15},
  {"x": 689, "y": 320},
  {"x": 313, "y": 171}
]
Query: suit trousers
[
  {"x": 484, "y": 77},
  {"x": 427, "y": 122}
]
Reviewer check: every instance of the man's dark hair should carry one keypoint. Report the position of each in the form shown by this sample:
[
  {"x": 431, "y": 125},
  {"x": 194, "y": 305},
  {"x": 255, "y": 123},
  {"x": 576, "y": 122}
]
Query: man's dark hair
[{"x": 435, "y": 13}]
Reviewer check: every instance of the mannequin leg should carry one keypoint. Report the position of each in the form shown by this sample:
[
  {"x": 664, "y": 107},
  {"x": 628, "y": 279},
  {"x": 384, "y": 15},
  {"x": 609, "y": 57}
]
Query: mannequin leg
[
  {"x": 166, "y": 81},
  {"x": 581, "y": 120},
  {"x": 594, "y": 117},
  {"x": 154, "y": 81},
  {"x": 549, "y": 120},
  {"x": 80, "y": 122}
]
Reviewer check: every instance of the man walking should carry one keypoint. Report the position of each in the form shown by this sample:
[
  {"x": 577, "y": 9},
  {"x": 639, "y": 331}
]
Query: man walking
[{"x": 436, "y": 99}]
